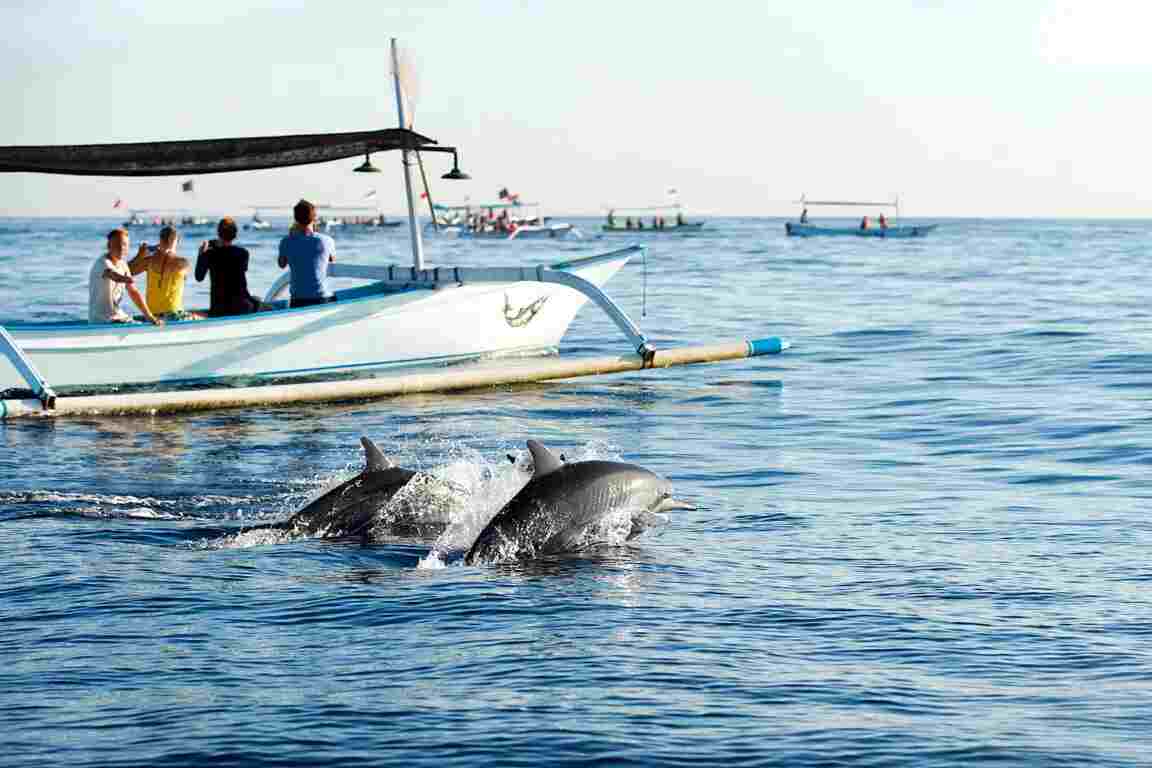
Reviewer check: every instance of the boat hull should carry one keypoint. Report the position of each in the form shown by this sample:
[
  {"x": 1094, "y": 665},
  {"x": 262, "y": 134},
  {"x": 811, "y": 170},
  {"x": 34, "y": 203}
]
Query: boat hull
[
  {"x": 691, "y": 226},
  {"x": 526, "y": 232},
  {"x": 794, "y": 229},
  {"x": 369, "y": 327}
]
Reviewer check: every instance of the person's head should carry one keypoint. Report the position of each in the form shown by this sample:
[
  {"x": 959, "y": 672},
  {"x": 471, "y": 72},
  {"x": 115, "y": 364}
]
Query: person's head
[
  {"x": 226, "y": 229},
  {"x": 168, "y": 236},
  {"x": 118, "y": 242},
  {"x": 304, "y": 213}
]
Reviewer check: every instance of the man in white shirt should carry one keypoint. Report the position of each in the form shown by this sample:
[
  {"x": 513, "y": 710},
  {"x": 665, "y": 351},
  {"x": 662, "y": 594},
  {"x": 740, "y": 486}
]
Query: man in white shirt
[{"x": 108, "y": 279}]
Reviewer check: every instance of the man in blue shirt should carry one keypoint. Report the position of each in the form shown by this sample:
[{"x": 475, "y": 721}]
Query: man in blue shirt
[{"x": 307, "y": 253}]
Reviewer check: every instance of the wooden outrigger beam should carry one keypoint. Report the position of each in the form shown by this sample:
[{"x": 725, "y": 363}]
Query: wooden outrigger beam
[{"x": 463, "y": 377}]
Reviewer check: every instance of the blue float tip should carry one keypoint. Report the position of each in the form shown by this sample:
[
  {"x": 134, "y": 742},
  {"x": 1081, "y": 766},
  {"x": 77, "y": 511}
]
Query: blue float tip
[{"x": 773, "y": 345}]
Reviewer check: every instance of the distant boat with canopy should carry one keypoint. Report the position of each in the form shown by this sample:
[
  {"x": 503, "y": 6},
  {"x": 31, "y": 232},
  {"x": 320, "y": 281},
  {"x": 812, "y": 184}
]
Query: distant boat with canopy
[
  {"x": 879, "y": 225},
  {"x": 651, "y": 219},
  {"x": 505, "y": 219}
]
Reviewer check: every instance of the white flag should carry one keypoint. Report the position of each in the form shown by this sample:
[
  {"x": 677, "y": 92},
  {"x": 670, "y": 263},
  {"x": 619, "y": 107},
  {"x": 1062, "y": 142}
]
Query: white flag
[
  {"x": 371, "y": 194},
  {"x": 405, "y": 72}
]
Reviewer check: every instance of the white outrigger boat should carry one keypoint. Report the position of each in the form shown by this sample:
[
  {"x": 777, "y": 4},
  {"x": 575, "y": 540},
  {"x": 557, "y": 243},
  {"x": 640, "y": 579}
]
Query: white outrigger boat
[
  {"x": 515, "y": 221},
  {"x": 408, "y": 320}
]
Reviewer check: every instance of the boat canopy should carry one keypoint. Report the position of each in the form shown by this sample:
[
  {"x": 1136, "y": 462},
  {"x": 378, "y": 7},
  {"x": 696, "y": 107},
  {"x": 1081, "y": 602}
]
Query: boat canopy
[
  {"x": 485, "y": 206},
  {"x": 645, "y": 208},
  {"x": 178, "y": 158},
  {"x": 884, "y": 204}
]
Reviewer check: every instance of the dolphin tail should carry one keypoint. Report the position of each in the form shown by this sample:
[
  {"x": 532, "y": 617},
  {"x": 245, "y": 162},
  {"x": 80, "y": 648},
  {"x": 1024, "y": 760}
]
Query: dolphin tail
[{"x": 374, "y": 458}]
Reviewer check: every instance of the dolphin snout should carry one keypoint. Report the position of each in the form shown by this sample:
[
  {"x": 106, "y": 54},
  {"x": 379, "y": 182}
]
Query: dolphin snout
[{"x": 670, "y": 504}]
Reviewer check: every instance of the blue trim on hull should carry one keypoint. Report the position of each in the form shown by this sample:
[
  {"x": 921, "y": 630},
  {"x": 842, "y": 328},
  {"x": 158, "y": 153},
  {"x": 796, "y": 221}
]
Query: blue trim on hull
[
  {"x": 416, "y": 362},
  {"x": 793, "y": 229}
]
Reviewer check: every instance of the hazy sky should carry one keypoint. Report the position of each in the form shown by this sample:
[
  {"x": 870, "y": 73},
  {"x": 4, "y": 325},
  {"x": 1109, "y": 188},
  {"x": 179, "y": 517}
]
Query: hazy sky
[{"x": 966, "y": 108}]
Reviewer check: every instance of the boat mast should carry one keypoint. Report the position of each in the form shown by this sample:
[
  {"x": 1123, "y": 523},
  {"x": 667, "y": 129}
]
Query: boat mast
[{"x": 406, "y": 160}]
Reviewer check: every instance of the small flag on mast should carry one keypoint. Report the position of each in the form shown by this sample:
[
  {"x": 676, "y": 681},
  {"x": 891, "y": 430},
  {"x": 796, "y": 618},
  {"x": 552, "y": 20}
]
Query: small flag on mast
[
  {"x": 371, "y": 194},
  {"x": 118, "y": 203},
  {"x": 186, "y": 186}
]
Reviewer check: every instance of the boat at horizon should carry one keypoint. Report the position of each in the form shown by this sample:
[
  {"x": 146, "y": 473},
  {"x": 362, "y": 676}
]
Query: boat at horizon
[
  {"x": 882, "y": 227},
  {"x": 515, "y": 221},
  {"x": 631, "y": 220}
]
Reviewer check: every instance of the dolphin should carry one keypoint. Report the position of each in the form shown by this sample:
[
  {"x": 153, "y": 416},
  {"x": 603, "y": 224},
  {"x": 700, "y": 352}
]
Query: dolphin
[
  {"x": 570, "y": 506},
  {"x": 384, "y": 501}
]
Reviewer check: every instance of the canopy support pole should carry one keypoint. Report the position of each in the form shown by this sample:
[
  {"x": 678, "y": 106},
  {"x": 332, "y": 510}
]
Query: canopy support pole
[{"x": 26, "y": 369}]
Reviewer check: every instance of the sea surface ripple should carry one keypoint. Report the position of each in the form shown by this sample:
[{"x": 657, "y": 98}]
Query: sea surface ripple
[{"x": 921, "y": 535}]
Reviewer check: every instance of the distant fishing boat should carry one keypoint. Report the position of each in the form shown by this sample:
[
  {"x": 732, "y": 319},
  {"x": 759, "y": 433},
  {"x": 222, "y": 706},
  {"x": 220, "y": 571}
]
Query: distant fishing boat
[
  {"x": 258, "y": 222},
  {"x": 653, "y": 219},
  {"x": 878, "y": 226},
  {"x": 503, "y": 220},
  {"x": 141, "y": 218}
]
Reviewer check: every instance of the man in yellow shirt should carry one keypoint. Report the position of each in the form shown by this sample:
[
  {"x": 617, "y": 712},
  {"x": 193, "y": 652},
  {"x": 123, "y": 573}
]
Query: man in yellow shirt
[{"x": 167, "y": 273}]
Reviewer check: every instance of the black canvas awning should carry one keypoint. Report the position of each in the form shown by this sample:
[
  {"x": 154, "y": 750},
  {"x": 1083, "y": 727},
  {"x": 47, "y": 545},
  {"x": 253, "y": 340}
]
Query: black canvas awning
[{"x": 179, "y": 158}]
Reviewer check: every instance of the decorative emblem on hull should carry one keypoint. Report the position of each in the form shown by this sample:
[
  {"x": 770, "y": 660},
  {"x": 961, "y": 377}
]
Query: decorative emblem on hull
[{"x": 518, "y": 318}]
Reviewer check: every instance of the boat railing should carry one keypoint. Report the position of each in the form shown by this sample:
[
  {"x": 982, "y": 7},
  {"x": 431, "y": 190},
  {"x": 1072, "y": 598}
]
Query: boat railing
[{"x": 444, "y": 276}]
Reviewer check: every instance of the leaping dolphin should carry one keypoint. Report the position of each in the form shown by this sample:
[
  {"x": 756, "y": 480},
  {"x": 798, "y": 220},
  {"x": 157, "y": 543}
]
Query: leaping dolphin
[
  {"x": 381, "y": 502},
  {"x": 571, "y": 506}
]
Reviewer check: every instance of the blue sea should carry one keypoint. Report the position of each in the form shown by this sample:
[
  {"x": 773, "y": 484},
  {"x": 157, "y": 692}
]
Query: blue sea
[{"x": 921, "y": 538}]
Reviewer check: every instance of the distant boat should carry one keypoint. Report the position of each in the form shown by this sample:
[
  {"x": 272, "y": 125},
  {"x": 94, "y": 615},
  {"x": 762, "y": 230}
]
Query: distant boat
[
  {"x": 136, "y": 221},
  {"x": 653, "y": 219},
  {"x": 258, "y": 223},
  {"x": 515, "y": 221},
  {"x": 878, "y": 226}
]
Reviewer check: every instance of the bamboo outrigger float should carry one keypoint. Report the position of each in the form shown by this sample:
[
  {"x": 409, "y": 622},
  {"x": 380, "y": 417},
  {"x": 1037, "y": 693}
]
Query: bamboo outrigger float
[{"x": 403, "y": 318}]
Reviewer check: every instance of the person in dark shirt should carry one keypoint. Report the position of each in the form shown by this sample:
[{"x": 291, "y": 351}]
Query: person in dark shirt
[{"x": 228, "y": 265}]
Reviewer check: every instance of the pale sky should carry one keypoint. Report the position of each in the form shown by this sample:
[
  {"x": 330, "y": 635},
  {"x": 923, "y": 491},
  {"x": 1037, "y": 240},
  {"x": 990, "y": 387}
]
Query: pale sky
[{"x": 1006, "y": 108}]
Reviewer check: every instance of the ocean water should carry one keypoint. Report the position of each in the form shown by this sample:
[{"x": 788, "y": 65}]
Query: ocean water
[{"x": 921, "y": 535}]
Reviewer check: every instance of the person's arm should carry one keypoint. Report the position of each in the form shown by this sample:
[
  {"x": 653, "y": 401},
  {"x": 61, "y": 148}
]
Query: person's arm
[
  {"x": 182, "y": 265},
  {"x": 116, "y": 277},
  {"x": 138, "y": 298},
  {"x": 201, "y": 264},
  {"x": 282, "y": 259},
  {"x": 139, "y": 262}
]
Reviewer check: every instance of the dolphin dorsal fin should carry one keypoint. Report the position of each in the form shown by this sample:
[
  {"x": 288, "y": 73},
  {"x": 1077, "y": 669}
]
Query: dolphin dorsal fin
[
  {"x": 543, "y": 459},
  {"x": 374, "y": 458}
]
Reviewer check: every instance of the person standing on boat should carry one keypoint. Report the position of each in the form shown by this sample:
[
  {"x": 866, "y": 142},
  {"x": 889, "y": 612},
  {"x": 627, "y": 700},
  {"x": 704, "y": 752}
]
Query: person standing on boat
[
  {"x": 804, "y": 216},
  {"x": 228, "y": 266},
  {"x": 166, "y": 273},
  {"x": 864, "y": 223},
  {"x": 883, "y": 221},
  {"x": 107, "y": 281},
  {"x": 307, "y": 254}
]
